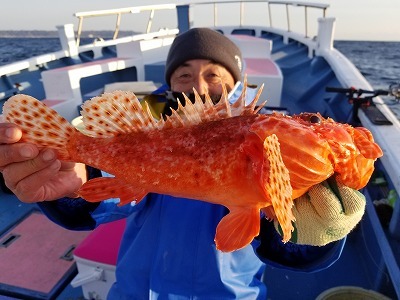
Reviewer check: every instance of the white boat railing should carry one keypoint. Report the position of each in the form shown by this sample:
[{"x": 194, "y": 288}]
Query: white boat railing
[
  {"x": 70, "y": 40},
  {"x": 118, "y": 13},
  {"x": 287, "y": 4},
  {"x": 306, "y": 6},
  {"x": 286, "y": 32},
  {"x": 153, "y": 8}
]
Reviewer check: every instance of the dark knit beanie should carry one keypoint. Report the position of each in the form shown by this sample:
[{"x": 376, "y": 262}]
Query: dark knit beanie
[{"x": 204, "y": 43}]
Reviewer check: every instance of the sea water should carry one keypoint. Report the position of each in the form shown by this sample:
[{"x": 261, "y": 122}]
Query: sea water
[{"x": 379, "y": 62}]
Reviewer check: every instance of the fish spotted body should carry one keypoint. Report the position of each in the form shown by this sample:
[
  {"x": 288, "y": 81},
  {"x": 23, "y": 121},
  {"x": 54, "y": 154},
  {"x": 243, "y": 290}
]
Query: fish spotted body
[{"x": 224, "y": 154}]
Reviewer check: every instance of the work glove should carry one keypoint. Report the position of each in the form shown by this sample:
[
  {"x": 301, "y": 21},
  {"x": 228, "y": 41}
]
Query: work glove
[{"x": 326, "y": 213}]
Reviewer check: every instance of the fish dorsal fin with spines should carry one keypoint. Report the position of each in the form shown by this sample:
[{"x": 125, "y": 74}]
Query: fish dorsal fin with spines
[
  {"x": 115, "y": 113},
  {"x": 120, "y": 112}
]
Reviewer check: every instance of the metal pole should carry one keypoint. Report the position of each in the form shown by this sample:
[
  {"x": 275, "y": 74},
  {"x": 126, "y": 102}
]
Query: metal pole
[
  {"x": 306, "y": 19},
  {"x": 215, "y": 14},
  {"x": 78, "y": 37},
  {"x": 269, "y": 14},
  {"x": 117, "y": 26},
  {"x": 241, "y": 13},
  {"x": 287, "y": 17},
  {"x": 150, "y": 21}
]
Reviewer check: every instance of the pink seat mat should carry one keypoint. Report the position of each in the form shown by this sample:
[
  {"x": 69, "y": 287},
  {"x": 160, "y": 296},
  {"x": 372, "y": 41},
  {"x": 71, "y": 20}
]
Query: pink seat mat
[
  {"x": 33, "y": 254},
  {"x": 103, "y": 243},
  {"x": 261, "y": 67}
]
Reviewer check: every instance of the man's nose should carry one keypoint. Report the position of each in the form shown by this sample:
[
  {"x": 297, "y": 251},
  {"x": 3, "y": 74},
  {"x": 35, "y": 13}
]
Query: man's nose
[{"x": 200, "y": 85}]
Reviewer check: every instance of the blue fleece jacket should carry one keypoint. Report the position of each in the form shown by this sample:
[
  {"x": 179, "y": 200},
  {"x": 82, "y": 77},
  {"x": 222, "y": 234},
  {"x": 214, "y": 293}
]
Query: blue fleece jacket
[{"x": 168, "y": 249}]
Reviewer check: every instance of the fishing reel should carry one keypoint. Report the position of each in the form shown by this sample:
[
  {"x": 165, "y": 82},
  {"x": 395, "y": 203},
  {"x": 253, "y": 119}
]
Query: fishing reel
[
  {"x": 366, "y": 96},
  {"x": 394, "y": 90},
  {"x": 361, "y": 98}
]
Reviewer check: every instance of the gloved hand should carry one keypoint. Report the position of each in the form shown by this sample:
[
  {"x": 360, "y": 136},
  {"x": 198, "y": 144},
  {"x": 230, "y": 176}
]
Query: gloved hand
[{"x": 326, "y": 213}]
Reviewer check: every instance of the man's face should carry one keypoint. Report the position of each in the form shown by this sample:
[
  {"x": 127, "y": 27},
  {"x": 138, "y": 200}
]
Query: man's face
[{"x": 203, "y": 75}]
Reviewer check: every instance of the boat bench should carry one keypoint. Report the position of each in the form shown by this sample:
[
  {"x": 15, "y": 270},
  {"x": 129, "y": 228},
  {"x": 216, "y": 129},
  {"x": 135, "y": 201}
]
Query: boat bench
[
  {"x": 265, "y": 71},
  {"x": 96, "y": 259},
  {"x": 62, "y": 85},
  {"x": 259, "y": 66}
]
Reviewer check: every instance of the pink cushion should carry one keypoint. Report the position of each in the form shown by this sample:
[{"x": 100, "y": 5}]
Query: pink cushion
[
  {"x": 261, "y": 67},
  {"x": 102, "y": 245}
]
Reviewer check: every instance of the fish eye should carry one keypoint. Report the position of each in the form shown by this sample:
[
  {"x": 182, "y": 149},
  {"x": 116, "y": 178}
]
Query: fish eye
[
  {"x": 310, "y": 118},
  {"x": 315, "y": 119}
]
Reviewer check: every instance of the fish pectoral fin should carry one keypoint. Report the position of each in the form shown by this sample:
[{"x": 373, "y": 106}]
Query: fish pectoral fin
[
  {"x": 365, "y": 143},
  {"x": 276, "y": 183},
  {"x": 237, "y": 229},
  {"x": 269, "y": 212},
  {"x": 103, "y": 188}
]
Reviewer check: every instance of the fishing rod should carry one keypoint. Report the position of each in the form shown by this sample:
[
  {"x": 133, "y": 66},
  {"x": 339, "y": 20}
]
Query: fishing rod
[{"x": 361, "y": 98}]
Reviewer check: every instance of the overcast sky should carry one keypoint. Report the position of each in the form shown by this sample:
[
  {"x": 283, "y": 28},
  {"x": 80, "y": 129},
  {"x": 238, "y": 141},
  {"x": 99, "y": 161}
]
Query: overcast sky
[{"x": 355, "y": 19}]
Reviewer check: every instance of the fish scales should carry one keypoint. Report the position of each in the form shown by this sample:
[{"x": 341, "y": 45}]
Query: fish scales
[
  {"x": 222, "y": 153},
  {"x": 195, "y": 168}
]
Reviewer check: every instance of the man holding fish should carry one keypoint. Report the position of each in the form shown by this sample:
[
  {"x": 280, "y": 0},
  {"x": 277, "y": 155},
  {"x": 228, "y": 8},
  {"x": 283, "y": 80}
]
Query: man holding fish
[{"x": 168, "y": 248}]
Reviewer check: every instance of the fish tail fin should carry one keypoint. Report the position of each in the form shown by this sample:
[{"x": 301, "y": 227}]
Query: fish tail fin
[
  {"x": 40, "y": 125},
  {"x": 237, "y": 229}
]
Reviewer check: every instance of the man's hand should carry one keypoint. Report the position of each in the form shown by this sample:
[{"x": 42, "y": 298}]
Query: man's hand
[
  {"x": 35, "y": 175},
  {"x": 326, "y": 213}
]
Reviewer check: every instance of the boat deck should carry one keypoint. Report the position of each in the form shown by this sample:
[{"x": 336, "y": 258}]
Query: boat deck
[
  {"x": 371, "y": 256},
  {"x": 48, "y": 257},
  {"x": 360, "y": 265}
]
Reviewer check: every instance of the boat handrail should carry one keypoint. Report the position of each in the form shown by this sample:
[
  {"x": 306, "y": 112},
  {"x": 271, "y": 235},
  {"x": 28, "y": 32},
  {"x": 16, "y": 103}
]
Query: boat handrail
[
  {"x": 32, "y": 62},
  {"x": 44, "y": 59},
  {"x": 306, "y": 6},
  {"x": 152, "y": 8},
  {"x": 119, "y": 12}
]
